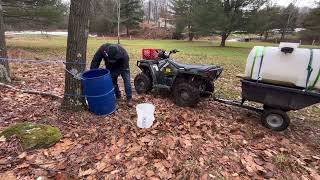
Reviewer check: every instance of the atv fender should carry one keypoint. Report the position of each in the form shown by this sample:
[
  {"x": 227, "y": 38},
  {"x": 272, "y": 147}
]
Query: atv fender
[
  {"x": 147, "y": 69},
  {"x": 185, "y": 77},
  {"x": 192, "y": 78}
]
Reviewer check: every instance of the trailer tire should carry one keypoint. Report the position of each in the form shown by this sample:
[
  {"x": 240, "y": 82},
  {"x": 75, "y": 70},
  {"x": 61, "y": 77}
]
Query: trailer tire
[
  {"x": 142, "y": 83},
  {"x": 276, "y": 120}
]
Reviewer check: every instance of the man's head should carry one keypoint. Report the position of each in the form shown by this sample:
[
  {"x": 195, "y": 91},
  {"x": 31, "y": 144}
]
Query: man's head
[{"x": 112, "y": 52}]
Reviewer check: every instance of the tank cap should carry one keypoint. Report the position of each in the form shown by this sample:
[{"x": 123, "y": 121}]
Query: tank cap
[
  {"x": 289, "y": 45},
  {"x": 287, "y": 50}
]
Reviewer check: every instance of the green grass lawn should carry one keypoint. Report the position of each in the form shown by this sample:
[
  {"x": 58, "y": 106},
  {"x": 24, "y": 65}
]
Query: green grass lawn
[{"x": 233, "y": 57}]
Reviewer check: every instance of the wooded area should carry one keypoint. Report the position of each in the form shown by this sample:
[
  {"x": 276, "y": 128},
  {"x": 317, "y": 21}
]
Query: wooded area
[{"x": 188, "y": 18}]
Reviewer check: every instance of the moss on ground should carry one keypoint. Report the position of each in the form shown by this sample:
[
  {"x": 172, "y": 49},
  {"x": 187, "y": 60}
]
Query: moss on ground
[{"x": 33, "y": 136}]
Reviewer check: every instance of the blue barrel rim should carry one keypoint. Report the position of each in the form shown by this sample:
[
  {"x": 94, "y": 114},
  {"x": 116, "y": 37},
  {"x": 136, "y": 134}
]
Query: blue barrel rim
[{"x": 93, "y": 70}]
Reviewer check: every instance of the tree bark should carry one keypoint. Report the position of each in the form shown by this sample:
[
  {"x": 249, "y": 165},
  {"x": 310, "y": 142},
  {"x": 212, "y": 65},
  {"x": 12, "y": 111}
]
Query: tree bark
[
  {"x": 149, "y": 11},
  {"x": 165, "y": 23},
  {"x": 224, "y": 37},
  {"x": 128, "y": 31},
  {"x": 190, "y": 33},
  {"x": 4, "y": 64},
  {"x": 78, "y": 31},
  {"x": 191, "y": 36},
  {"x": 266, "y": 35},
  {"x": 283, "y": 34}
]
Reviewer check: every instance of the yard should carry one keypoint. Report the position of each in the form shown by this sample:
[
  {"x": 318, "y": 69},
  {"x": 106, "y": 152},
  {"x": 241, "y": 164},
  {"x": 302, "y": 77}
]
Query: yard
[{"x": 213, "y": 141}]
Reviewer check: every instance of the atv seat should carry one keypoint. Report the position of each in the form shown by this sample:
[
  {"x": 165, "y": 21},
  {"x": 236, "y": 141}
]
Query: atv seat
[{"x": 201, "y": 67}]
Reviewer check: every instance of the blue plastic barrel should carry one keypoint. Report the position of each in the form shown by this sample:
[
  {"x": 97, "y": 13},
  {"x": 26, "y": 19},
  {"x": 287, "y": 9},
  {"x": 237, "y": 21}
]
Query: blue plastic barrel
[{"x": 99, "y": 92}]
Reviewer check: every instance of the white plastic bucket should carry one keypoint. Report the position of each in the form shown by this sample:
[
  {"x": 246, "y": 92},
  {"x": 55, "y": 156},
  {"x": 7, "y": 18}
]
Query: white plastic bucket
[{"x": 145, "y": 115}]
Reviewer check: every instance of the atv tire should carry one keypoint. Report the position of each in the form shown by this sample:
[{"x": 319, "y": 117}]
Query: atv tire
[
  {"x": 186, "y": 95},
  {"x": 142, "y": 83},
  {"x": 209, "y": 87}
]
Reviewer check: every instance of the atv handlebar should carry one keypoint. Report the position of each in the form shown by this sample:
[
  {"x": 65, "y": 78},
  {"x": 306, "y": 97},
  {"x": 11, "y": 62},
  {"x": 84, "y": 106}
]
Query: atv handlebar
[
  {"x": 165, "y": 55},
  {"x": 174, "y": 51}
]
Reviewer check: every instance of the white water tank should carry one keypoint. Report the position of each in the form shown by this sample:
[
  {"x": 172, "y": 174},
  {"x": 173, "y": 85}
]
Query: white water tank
[{"x": 278, "y": 65}]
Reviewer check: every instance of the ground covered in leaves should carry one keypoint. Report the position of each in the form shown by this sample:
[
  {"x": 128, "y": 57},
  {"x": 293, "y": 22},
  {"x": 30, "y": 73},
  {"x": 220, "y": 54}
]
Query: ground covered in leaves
[{"x": 212, "y": 141}]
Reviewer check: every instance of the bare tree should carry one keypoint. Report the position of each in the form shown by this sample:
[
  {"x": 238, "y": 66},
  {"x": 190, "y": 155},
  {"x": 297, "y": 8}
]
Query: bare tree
[
  {"x": 149, "y": 11},
  {"x": 4, "y": 65},
  {"x": 78, "y": 31}
]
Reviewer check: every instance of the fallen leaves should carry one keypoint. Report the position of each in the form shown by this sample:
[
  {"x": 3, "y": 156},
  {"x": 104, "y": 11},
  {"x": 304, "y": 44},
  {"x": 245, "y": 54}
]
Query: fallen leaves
[
  {"x": 251, "y": 166},
  {"x": 169, "y": 141},
  {"x": 133, "y": 149},
  {"x": 163, "y": 172},
  {"x": 23, "y": 155},
  {"x": 316, "y": 157},
  {"x": 8, "y": 176},
  {"x": 2, "y": 139},
  {"x": 59, "y": 148},
  {"x": 186, "y": 141},
  {"x": 121, "y": 142},
  {"x": 210, "y": 141},
  {"x": 314, "y": 175},
  {"x": 146, "y": 139},
  {"x": 86, "y": 172},
  {"x": 100, "y": 166}
]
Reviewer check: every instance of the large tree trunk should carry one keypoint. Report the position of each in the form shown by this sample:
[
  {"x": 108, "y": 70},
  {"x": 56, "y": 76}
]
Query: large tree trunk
[
  {"x": 4, "y": 65},
  {"x": 78, "y": 31},
  {"x": 224, "y": 37}
]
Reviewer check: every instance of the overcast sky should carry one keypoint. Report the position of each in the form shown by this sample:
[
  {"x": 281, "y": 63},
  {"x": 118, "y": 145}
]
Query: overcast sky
[{"x": 300, "y": 3}]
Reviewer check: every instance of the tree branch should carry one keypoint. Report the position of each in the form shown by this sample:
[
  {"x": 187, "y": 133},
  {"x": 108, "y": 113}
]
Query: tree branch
[{"x": 44, "y": 94}]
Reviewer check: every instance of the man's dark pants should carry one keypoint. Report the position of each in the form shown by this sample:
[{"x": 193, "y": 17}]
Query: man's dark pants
[{"x": 125, "y": 74}]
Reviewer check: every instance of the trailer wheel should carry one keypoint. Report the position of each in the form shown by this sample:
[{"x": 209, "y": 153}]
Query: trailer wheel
[{"x": 275, "y": 120}]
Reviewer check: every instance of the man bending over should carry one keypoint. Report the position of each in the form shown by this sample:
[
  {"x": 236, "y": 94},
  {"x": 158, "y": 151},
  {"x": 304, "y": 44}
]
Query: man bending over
[{"x": 116, "y": 60}]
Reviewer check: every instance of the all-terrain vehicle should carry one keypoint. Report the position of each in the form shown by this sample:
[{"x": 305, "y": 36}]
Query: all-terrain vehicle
[{"x": 188, "y": 83}]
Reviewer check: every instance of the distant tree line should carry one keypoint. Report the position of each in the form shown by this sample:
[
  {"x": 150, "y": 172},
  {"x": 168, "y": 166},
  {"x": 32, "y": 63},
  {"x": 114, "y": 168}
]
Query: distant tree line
[
  {"x": 53, "y": 14},
  {"x": 34, "y": 14},
  {"x": 311, "y": 24},
  {"x": 224, "y": 17}
]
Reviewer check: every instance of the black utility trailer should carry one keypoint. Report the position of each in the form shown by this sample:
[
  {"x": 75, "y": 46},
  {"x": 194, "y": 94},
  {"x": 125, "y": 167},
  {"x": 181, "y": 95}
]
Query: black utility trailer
[{"x": 277, "y": 101}]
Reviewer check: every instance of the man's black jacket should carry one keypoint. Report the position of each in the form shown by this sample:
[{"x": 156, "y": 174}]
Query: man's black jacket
[{"x": 119, "y": 62}]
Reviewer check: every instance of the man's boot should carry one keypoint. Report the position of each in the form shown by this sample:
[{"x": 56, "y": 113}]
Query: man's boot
[
  {"x": 118, "y": 96},
  {"x": 129, "y": 103}
]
